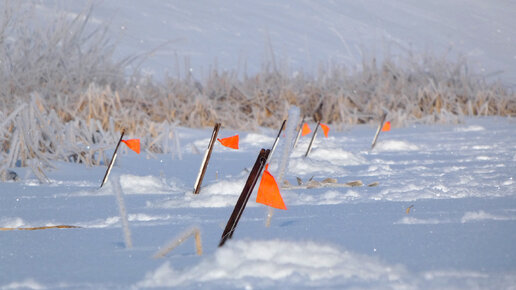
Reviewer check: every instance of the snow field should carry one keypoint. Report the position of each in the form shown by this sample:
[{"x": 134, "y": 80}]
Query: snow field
[{"x": 456, "y": 234}]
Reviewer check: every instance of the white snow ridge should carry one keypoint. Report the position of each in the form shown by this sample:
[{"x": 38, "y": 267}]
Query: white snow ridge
[
  {"x": 475, "y": 216},
  {"x": 277, "y": 262}
]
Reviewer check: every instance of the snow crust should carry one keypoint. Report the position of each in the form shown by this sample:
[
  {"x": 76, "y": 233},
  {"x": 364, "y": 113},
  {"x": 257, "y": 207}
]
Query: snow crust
[{"x": 267, "y": 262}]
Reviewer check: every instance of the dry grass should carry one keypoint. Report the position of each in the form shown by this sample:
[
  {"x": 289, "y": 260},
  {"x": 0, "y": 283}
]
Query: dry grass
[{"x": 63, "y": 97}]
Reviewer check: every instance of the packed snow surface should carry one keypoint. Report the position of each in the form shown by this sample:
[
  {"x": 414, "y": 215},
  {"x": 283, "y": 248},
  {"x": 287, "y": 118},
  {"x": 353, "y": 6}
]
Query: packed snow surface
[{"x": 439, "y": 212}]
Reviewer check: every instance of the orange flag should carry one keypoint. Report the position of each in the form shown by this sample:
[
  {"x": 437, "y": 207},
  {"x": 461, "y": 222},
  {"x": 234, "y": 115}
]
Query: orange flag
[
  {"x": 268, "y": 191},
  {"x": 325, "y": 129},
  {"x": 231, "y": 142},
  {"x": 133, "y": 144},
  {"x": 386, "y": 126},
  {"x": 306, "y": 129}
]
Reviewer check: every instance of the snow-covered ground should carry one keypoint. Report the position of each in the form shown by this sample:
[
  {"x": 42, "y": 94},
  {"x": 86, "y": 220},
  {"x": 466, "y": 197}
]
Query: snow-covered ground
[
  {"x": 459, "y": 179},
  {"x": 242, "y": 35}
]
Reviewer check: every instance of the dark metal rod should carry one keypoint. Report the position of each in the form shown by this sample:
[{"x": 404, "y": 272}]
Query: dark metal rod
[
  {"x": 276, "y": 141},
  {"x": 378, "y": 130},
  {"x": 254, "y": 175},
  {"x": 312, "y": 140},
  {"x": 112, "y": 162},
  {"x": 206, "y": 159},
  {"x": 298, "y": 133}
]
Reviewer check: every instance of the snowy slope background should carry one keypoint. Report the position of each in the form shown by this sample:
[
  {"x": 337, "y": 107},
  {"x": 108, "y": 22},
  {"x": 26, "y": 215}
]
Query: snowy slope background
[
  {"x": 301, "y": 35},
  {"x": 459, "y": 180}
]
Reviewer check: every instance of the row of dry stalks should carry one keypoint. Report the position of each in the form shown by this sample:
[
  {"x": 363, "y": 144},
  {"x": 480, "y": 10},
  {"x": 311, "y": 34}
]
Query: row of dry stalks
[{"x": 63, "y": 97}]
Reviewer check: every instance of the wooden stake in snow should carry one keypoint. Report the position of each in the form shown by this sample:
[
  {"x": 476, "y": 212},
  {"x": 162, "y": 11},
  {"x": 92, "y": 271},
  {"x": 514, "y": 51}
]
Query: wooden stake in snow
[
  {"x": 206, "y": 159},
  {"x": 380, "y": 126},
  {"x": 181, "y": 239},
  {"x": 312, "y": 140},
  {"x": 276, "y": 141},
  {"x": 123, "y": 212},
  {"x": 254, "y": 175},
  {"x": 112, "y": 162}
]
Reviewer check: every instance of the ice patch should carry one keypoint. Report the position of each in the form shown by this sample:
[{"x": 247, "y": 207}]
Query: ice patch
[
  {"x": 26, "y": 284},
  {"x": 337, "y": 157},
  {"x": 379, "y": 170},
  {"x": 224, "y": 187},
  {"x": 454, "y": 169},
  {"x": 74, "y": 183},
  {"x": 141, "y": 217},
  {"x": 328, "y": 197},
  {"x": 301, "y": 166},
  {"x": 464, "y": 279},
  {"x": 415, "y": 221},
  {"x": 481, "y": 147},
  {"x": 453, "y": 274},
  {"x": 202, "y": 144},
  {"x": 258, "y": 140},
  {"x": 12, "y": 223},
  {"x": 101, "y": 223},
  {"x": 268, "y": 263},
  {"x": 220, "y": 194},
  {"x": 133, "y": 184},
  {"x": 409, "y": 192},
  {"x": 32, "y": 182},
  {"x": 441, "y": 187},
  {"x": 484, "y": 158},
  {"x": 115, "y": 220},
  {"x": 395, "y": 145},
  {"x": 474, "y": 216},
  {"x": 469, "y": 129}
]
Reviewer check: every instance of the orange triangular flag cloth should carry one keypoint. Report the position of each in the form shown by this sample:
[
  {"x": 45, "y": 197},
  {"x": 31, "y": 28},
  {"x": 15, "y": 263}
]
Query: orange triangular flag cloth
[
  {"x": 386, "y": 126},
  {"x": 325, "y": 129},
  {"x": 231, "y": 142},
  {"x": 268, "y": 191},
  {"x": 133, "y": 144},
  {"x": 305, "y": 130}
]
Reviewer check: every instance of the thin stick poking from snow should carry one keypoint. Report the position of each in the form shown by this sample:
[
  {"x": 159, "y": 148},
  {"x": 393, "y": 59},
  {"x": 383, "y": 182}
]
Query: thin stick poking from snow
[
  {"x": 123, "y": 213},
  {"x": 181, "y": 239},
  {"x": 378, "y": 130}
]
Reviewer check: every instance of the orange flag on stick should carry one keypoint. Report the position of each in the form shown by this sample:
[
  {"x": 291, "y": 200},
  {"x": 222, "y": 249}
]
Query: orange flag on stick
[
  {"x": 306, "y": 130},
  {"x": 268, "y": 191},
  {"x": 386, "y": 126},
  {"x": 325, "y": 129},
  {"x": 231, "y": 142},
  {"x": 133, "y": 144}
]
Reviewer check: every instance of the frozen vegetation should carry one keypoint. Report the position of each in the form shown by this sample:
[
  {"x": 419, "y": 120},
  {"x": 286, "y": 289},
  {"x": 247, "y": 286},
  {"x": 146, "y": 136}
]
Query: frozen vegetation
[{"x": 432, "y": 206}]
